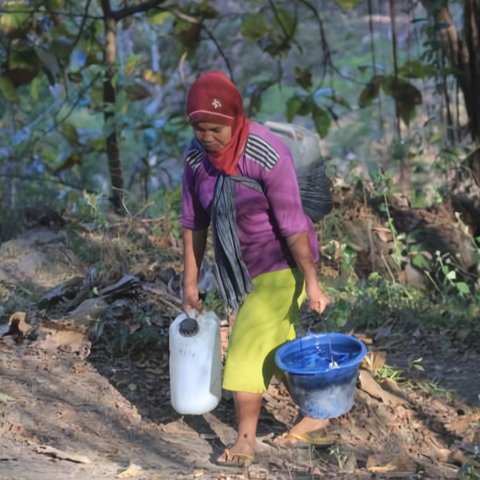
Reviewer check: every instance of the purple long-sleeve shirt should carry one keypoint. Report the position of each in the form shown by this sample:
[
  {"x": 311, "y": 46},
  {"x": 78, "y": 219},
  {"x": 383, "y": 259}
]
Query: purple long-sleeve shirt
[{"x": 265, "y": 218}]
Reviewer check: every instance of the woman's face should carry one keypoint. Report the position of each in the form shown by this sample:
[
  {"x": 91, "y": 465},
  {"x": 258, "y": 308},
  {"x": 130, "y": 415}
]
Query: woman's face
[{"x": 212, "y": 136}]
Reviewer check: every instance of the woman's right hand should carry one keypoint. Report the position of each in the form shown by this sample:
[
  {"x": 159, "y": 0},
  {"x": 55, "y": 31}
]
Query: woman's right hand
[
  {"x": 191, "y": 300},
  {"x": 194, "y": 242}
]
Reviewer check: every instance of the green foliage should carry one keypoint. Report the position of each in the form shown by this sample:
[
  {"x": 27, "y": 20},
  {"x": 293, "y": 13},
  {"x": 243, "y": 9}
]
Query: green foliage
[
  {"x": 273, "y": 30},
  {"x": 166, "y": 203},
  {"x": 373, "y": 302},
  {"x": 254, "y": 26},
  {"x": 134, "y": 338},
  {"x": 212, "y": 301},
  {"x": 416, "y": 69},
  {"x": 279, "y": 38},
  {"x": 67, "y": 60},
  {"x": 8, "y": 90},
  {"x": 347, "y": 4},
  {"x": 448, "y": 282},
  {"x": 406, "y": 96},
  {"x": 14, "y": 19},
  {"x": 160, "y": 18},
  {"x": 52, "y": 131},
  {"x": 18, "y": 297},
  {"x": 306, "y": 105},
  {"x": 470, "y": 470},
  {"x": 386, "y": 372},
  {"x": 378, "y": 301}
]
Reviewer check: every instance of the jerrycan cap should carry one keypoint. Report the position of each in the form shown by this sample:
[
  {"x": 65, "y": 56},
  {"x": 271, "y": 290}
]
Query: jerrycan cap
[{"x": 188, "y": 327}]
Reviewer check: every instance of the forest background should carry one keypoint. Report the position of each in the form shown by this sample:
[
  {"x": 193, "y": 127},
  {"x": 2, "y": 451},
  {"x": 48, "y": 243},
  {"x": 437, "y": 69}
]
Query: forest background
[
  {"x": 93, "y": 130},
  {"x": 92, "y": 117}
]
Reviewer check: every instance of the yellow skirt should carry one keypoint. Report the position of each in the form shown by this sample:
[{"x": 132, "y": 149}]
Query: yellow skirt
[{"x": 264, "y": 322}]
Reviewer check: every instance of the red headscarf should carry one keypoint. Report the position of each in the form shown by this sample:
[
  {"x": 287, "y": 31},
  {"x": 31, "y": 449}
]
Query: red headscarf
[{"x": 214, "y": 98}]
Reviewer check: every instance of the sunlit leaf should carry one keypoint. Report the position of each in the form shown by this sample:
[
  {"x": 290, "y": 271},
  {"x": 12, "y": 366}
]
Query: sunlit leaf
[
  {"x": 132, "y": 63},
  {"x": 160, "y": 18},
  {"x": 8, "y": 90},
  {"x": 462, "y": 288},
  {"x": 452, "y": 275},
  {"x": 421, "y": 262},
  {"x": 36, "y": 87},
  {"x": 154, "y": 77},
  {"x": 253, "y": 26},
  {"x": 346, "y": 4},
  {"x": 15, "y": 21}
]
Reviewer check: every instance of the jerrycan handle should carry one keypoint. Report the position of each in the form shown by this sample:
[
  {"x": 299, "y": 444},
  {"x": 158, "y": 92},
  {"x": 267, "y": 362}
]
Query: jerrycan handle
[{"x": 188, "y": 327}]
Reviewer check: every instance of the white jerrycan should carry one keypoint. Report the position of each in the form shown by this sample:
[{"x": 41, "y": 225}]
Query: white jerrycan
[{"x": 195, "y": 363}]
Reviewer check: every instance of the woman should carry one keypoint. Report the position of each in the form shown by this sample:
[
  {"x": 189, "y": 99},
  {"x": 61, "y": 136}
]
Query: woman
[{"x": 277, "y": 245}]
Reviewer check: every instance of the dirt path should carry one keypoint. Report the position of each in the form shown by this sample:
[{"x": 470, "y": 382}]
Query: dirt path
[
  {"x": 95, "y": 415},
  {"x": 61, "y": 418}
]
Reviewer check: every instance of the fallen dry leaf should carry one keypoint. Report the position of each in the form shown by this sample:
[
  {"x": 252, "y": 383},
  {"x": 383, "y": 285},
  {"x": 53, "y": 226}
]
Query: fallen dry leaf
[
  {"x": 18, "y": 324},
  {"x": 133, "y": 470},
  {"x": 4, "y": 398},
  {"x": 61, "y": 455},
  {"x": 374, "y": 360},
  {"x": 463, "y": 424}
]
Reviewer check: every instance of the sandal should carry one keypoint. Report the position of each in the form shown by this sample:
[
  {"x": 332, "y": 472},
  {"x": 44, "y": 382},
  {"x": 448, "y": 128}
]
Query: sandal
[
  {"x": 305, "y": 440},
  {"x": 235, "y": 459}
]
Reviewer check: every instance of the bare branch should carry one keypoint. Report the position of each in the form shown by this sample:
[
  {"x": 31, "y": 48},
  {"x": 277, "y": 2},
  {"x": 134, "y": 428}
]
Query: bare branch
[
  {"x": 82, "y": 25},
  {"x": 106, "y": 8},
  {"x": 288, "y": 37},
  {"x": 46, "y": 179},
  {"x": 184, "y": 16},
  {"x": 128, "y": 11},
  {"x": 327, "y": 59},
  {"x": 219, "y": 48},
  {"x": 52, "y": 12},
  {"x": 74, "y": 104}
]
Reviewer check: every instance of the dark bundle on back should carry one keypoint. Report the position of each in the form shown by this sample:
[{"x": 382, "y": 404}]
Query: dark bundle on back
[{"x": 315, "y": 190}]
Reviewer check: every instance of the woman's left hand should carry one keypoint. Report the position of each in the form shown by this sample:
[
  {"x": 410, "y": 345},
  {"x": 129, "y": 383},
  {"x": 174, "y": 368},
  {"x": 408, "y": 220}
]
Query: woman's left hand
[{"x": 318, "y": 300}]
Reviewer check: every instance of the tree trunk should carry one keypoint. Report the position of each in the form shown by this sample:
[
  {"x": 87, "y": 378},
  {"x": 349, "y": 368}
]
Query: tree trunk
[
  {"x": 109, "y": 98},
  {"x": 111, "y": 17},
  {"x": 464, "y": 56}
]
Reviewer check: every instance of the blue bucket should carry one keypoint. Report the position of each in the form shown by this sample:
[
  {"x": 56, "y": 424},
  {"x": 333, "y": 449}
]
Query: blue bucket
[{"x": 321, "y": 372}]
